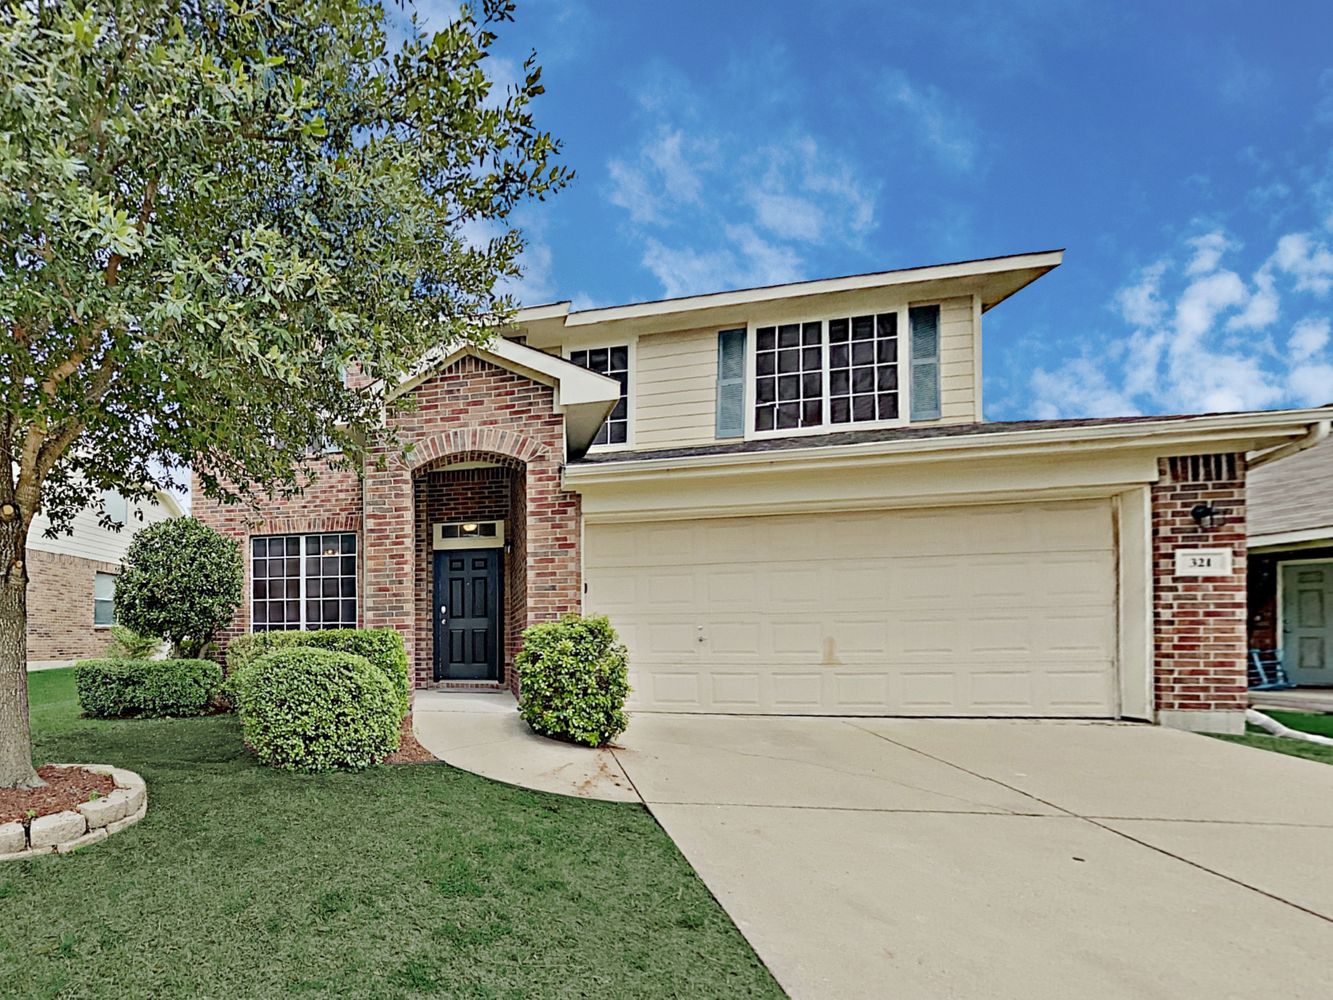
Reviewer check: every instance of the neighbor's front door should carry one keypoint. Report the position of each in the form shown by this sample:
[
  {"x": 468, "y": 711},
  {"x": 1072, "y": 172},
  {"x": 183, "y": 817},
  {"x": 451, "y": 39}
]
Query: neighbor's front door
[
  {"x": 1307, "y": 622},
  {"x": 467, "y": 614}
]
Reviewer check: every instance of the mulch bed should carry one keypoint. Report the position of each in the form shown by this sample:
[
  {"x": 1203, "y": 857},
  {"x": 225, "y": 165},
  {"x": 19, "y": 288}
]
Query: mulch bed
[
  {"x": 409, "y": 750},
  {"x": 65, "y": 788}
]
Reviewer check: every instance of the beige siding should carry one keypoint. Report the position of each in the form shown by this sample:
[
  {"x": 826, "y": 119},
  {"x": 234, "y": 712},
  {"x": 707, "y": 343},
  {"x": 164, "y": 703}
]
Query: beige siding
[
  {"x": 90, "y": 540},
  {"x": 674, "y": 388},
  {"x": 958, "y": 376}
]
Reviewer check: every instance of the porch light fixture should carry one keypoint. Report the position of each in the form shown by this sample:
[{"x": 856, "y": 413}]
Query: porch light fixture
[
  {"x": 470, "y": 528},
  {"x": 1206, "y": 516}
]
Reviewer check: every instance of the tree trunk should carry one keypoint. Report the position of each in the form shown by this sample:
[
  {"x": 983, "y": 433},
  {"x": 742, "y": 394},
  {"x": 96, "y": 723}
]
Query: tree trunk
[{"x": 15, "y": 736}]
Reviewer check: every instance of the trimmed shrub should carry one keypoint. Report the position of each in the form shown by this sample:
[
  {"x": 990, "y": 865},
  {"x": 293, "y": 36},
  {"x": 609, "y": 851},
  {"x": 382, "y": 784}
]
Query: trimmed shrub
[
  {"x": 182, "y": 581},
  {"x": 383, "y": 647},
  {"x": 112, "y": 688},
  {"x": 306, "y": 709},
  {"x": 573, "y": 679}
]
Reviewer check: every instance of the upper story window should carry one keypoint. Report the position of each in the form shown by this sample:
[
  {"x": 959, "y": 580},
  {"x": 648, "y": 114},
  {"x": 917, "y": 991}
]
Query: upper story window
[
  {"x": 104, "y": 599},
  {"x": 303, "y": 582},
  {"x": 826, "y": 372},
  {"x": 612, "y": 362}
]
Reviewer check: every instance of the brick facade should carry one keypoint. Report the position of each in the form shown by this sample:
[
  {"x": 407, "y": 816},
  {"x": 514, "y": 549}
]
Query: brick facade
[
  {"x": 1199, "y": 633},
  {"x": 472, "y": 411},
  {"x": 60, "y": 607}
]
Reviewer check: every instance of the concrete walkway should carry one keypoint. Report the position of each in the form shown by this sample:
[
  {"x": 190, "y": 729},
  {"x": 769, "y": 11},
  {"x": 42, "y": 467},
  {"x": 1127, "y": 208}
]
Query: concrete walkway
[
  {"x": 875, "y": 857},
  {"x": 1294, "y": 699}
]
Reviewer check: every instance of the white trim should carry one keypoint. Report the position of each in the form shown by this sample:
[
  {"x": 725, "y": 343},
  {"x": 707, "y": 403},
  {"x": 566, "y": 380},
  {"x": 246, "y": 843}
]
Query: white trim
[
  {"x": 1132, "y": 511},
  {"x": 1219, "y": 431},
  {"x": 438, "y": 543},
  {"x": 303, "y": 535},
  {"x": 902, "y": 336},
  {"x": 1306, "y": 537},
  {"x": 1044, "y": 260},
  {"x": 977, "y": 410}
]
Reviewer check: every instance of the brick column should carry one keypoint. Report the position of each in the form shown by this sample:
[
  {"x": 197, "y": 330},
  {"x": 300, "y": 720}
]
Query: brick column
[
  {"x": 388, "y": 544},
  {"x": 1199, "y": 622}
]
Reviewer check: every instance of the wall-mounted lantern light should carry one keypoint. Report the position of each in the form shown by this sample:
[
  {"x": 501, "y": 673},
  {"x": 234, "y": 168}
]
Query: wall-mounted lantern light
[{"x": 1206, "y": 516}]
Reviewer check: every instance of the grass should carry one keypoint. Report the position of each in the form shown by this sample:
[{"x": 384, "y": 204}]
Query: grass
[
  {"x": 406, "y": 881},
  {"x": 1306, "y": 722}
]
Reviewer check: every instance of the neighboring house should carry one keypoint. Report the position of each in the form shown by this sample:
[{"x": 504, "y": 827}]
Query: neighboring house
[
  {"x": 786, "y": 500},
  {"x": 72, "y": 578},
  {"x": 1291, "y": 562}
]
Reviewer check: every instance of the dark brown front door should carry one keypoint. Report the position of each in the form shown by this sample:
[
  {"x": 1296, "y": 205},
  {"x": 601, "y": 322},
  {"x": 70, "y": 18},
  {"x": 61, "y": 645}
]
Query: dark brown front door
[{"x": 467, "y": 614}]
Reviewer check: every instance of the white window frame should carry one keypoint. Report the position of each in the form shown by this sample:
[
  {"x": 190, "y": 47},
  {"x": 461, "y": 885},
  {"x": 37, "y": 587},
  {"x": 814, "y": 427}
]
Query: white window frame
[
  {"x": 97, "y": 575},
  {"x": 904, "y": 418},
  {"x": 632, "y": 390},
  {"x": 303, "y": 535}
]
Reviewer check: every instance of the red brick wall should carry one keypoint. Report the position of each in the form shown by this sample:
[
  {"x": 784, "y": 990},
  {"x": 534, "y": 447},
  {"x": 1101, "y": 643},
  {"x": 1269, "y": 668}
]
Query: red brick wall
[
  {"x": 1200, "y": 624},
  {"x": 471, "y": 407},
  {"x": 60, "y": 606},
  {"x": 331, "y": 502}
]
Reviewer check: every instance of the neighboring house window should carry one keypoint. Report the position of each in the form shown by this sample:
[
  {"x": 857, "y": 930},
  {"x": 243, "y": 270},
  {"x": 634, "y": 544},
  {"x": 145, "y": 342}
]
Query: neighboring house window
[
  {"x": 104, "y": 599},
  {"x": 612, "y": 362},
  {"x": 116, "y": 507},
  {"x": 303, "y": 582}
]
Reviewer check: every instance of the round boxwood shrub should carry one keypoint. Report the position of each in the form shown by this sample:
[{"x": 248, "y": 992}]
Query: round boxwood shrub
[
  {"x": 110, "y": 688},
  {"x": 306, "y": 709},
  {"x": 182, "y": 581},
  {"x": 573, "y": 679},
  {"x": 383, "y": 647}
]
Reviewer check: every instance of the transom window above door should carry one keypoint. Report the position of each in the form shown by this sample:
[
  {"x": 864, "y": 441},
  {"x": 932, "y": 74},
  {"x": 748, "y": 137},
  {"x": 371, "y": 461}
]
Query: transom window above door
[
  {"x": 613, "y": 362},
  {"x": 823, "y": 373}
]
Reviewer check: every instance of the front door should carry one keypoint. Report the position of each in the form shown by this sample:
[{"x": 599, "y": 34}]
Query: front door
[
  {"x": 1307, "y": 622},
  {"x": 467, "y": 614}
]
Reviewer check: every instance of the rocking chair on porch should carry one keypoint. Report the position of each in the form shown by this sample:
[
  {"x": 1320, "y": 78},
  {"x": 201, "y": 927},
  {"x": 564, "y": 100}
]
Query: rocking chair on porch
[{"x": 1266, "y": 672}]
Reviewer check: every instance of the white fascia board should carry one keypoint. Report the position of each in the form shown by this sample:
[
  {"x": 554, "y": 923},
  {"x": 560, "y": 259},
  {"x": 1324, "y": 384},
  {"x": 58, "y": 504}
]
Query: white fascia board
[
  {"x": 882, "y": 279},
  {"x": 1307, "y": 538},
  {"x": 1247, "y": 431}
]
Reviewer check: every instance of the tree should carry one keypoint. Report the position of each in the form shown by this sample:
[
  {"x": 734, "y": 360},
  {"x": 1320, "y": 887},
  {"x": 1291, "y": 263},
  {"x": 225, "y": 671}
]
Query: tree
[
  {"x": 181, "y": 580},
  {"x": 210, "y": 210}
]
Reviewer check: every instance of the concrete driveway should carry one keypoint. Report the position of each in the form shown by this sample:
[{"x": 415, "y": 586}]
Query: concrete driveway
[{"x": 893, "y": 858}]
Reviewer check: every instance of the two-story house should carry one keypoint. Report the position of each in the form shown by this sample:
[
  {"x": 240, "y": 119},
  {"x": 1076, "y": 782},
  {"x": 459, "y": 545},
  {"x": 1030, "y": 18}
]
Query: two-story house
[
  {"x": 787, "y": 501},
  {"x": 72, "y": 577}
]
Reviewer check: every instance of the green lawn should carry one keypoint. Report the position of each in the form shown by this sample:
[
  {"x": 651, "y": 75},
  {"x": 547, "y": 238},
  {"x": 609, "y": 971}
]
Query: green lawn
[
  {"x": 405, "y": 881},
  {"x": 1305, "y": 722}
]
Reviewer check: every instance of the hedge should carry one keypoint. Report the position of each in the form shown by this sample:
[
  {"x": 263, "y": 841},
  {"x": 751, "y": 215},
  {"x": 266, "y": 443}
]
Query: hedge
[
  {"x": 573, "y": 680},
  {"x": 305, "y": 709},
  {"x": 383, "y": 647},
  {"x": 110, "y": 688}
]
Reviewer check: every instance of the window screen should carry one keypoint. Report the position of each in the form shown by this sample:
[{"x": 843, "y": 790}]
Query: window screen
[
  {"x": 104, "y": 599},
  {"x": 303, "y": 582}
]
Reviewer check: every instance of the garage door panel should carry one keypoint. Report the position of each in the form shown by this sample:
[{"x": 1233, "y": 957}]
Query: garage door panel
[{"x": 964, "y": 611}]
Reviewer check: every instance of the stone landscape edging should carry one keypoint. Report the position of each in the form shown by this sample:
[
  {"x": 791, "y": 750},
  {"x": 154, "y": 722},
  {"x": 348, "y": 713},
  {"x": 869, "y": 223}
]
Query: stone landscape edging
[{"x": 88, "y": 823}]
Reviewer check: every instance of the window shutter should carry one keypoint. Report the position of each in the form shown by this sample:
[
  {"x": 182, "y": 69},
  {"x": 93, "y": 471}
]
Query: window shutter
[
  {"x": 925, "y": 323},
  {"x": 731, "y": 384}
]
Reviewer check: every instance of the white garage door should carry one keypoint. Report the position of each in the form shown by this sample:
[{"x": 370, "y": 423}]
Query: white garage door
[{"x": 982, "y": 611}]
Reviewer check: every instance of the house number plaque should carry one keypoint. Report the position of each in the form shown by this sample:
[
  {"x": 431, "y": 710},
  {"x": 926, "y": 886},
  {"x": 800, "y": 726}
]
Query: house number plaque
[{"x": 1203, "y": 562}]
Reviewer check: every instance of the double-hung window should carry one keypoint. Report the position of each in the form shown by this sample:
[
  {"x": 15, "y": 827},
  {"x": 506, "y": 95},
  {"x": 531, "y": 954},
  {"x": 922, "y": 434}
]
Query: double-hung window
[
  {"x": 613, "y": 362},
  {"x": 104, "y": 598},
  {"x": 303, "y": 582},
  {"x": 824, "y": 373}
]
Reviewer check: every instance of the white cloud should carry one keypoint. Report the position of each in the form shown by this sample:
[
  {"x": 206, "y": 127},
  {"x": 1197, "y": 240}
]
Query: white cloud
[
  {"x": 938, "y": 122},
  {"x": 746, "y": 259},
  {"x": 1308, "y": 338},
  {"x": 1193, "y": 347},
  {"x": 1309, "y": 262}
]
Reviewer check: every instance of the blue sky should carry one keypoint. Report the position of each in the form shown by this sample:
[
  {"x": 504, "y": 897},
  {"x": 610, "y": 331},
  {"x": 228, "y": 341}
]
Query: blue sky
[{"x": 1182, "y": 153}]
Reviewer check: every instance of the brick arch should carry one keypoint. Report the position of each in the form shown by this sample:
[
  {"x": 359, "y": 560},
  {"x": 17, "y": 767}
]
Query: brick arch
[{"x": 494, "y": 440}]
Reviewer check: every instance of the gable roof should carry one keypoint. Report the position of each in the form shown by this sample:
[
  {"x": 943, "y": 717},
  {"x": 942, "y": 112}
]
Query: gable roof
[
  {"x": 585, "y": 398},
  {"x": 1290, "y": 501}
]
